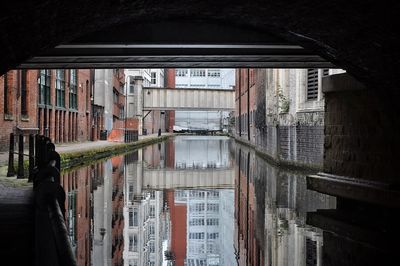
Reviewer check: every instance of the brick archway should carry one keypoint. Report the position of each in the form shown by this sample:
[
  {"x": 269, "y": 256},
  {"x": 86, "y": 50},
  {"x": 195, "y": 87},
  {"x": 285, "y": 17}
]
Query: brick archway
[{"x": 359, "y": 38}]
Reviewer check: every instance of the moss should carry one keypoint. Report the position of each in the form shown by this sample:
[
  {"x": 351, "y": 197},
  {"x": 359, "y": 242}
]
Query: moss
[{"x": 71, "y": 160}]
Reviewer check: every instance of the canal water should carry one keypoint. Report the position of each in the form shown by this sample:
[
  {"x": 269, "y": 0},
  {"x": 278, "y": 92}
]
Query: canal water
[{"x": 191, "y": 200}]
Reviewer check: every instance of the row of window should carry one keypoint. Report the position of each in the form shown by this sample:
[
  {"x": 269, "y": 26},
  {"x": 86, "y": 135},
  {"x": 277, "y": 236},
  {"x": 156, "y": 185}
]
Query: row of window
[
  {"x": 201, "y": 221},
  {"x": 198, "y": 73},
  {"x": 44, "y": 87}
]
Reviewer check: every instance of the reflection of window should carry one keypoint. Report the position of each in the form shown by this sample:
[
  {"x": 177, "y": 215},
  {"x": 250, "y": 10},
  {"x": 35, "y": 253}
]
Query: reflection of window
[
  {"x": 212, "y": 221},
  {"x": 212, "y": 235},
  {"x": 133, "y": 262},
  {"x": 196, "y": 235},
  {"x": 196, "y": 222},
  {"x": 152, "y": 211},
  {"x": 72, "y": 216},
  {"x": 133, "y": 243},
  {"x": 213, "y": 207},
  {"x": 196, "y": 207}
]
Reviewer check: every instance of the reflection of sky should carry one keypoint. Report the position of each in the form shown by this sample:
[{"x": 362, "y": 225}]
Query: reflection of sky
[{"x": 201, "y": 152}]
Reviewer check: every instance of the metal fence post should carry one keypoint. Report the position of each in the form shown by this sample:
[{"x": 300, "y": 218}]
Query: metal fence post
[
  {"x": 20, "y": 172},
  {"x": 31, "y": 157},
  {"x": 11, "y": 170}
]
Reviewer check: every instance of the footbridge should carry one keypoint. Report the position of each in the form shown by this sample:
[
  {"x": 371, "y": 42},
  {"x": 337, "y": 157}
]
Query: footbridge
[
  {"x": 188, "y": 99},
  {"x": 156, "y": 179}
]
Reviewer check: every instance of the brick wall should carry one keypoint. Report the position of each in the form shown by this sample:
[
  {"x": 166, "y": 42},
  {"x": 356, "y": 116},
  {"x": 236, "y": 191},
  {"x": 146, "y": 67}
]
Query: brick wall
[
  {"x": 14, "y": 118},
  {"x": 64, "y": 124}
]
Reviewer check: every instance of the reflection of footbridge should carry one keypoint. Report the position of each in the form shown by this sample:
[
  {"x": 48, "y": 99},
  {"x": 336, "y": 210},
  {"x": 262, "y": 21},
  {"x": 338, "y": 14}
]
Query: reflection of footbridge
[{"x": 188, "y": 178}]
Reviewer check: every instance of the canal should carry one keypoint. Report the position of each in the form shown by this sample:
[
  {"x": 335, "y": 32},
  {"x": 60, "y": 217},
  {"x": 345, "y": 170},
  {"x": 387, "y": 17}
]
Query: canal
[{"x": 192, "y": 200}]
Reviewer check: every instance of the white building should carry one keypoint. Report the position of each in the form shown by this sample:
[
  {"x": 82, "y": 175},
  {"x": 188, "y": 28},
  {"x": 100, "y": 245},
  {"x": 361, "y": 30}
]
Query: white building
[
  {"x": 103, "y": 95},
  {"x": 135, "y": 80},
  {"x": 203, "y": 79}
]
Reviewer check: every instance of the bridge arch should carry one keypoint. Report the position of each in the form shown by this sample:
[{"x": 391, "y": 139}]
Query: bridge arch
[{"x": 353, "y": 37}]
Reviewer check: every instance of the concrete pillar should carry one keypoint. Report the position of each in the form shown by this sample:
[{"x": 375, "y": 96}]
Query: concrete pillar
[{"x": 139, "y": 108}]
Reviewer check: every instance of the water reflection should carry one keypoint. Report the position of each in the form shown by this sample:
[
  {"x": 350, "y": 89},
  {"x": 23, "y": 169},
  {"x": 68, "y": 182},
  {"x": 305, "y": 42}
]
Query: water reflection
[
  {"x": 191, "y": 201},
  {"x": 271, "y": 205}
]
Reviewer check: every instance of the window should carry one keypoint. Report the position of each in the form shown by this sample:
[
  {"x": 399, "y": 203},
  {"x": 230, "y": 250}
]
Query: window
[
  {"x": 198, "y": 73},
  {"x": 115, "y": 96},
  {"x": 44, "y": 86},
  {"x": 153, "y": 78},
  {"x": 24, "y": 109},
  {"x": 6, "y": 111},
  {"x": 214, "y": 73},
  {"x": 60, "y": 88},
  {"x": 87, "y": 95},
  {"x": 181, "y": 72},
  {"x": 73, "y": 89},
  {"x": 131, "y": 85},
  {"x": 312, "y": 84},
  {"x": 325, "y": 72}
]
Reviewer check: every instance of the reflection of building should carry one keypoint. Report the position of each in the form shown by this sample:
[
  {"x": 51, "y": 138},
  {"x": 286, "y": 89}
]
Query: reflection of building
[
  {"x": 78, "y": 188},
  {"x": 270, "y": 214},
  {"x": 208, "y": 220},
  {"x": 143, "y": 212},
  {"x": 108, "y": 221}
]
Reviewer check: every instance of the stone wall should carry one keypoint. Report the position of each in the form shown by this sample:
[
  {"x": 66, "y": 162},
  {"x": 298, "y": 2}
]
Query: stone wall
[{"x": 361, "y": 132}]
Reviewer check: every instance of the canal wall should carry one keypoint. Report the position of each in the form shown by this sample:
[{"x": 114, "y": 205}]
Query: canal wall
[
  {"x": 74, "y": 155},
  {"x": 276, "y": 115}
]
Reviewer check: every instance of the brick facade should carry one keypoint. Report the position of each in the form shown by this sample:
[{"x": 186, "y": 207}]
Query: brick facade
[
  {"x": 63, "y": 118},
  {"x": 11, "y": 113}
]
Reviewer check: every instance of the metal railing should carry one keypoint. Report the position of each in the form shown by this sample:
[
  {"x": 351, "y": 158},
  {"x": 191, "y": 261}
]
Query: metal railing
[{"x": 52, "y": 245}]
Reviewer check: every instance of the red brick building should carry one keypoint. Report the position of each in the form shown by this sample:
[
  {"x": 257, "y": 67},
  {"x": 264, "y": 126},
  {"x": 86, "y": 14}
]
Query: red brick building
[{"x": 56, "y": 102}]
